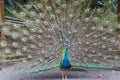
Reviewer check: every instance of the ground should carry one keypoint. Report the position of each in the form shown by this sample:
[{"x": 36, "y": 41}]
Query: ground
[{"x": 56, "y": 74}]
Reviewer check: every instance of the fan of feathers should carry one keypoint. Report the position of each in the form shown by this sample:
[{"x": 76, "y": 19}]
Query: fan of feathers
[{"x": 46, "y": 34}]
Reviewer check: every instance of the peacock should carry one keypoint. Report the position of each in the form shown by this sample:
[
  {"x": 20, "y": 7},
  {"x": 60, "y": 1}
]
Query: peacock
[{"x": 65, "y": 34}]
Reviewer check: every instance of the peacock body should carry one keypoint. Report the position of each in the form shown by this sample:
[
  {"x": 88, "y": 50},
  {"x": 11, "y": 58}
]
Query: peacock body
[{"x": 60, "y": 34}]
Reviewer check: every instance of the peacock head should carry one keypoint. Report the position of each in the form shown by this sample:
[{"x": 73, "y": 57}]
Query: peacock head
[{"x": 66, "y": 45}]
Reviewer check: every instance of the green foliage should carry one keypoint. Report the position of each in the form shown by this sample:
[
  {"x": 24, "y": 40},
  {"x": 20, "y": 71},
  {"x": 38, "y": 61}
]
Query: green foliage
[{"x": 12, "y": 4}]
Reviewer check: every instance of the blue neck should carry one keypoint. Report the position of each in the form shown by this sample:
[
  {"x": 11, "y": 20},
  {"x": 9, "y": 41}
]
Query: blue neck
[
  {"x": 66, "y": 54},
  {"x": 66, "y": 62}
]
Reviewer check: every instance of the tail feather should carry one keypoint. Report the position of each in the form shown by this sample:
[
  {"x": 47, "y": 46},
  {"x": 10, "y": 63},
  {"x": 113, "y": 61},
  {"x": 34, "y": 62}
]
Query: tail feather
[{"x": 36, "y": 40}]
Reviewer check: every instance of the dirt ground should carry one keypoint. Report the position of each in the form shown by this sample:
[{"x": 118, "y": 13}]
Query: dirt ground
[{"x": 56, "y": 74}]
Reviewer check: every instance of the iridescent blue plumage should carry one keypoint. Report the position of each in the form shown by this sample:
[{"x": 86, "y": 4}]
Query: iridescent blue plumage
[{"x": 66, "y": 62}]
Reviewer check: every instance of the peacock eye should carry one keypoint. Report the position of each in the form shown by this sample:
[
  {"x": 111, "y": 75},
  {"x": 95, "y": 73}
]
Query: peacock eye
[
  {"x": 69, "y": 32},
  {"x": 6, "y": 23},
  {"x": 95, "y": 36},
  {"x": 79, "y": 48},
  {"x": 76, "y": 3},
  {"x": 68, "y": 23},
  {"x": 24, "y": 61},
  {"x": 86, "y": 19},
  {"x": 105, "y": 57},
  {"x": 70, "y": 16},
  {"x": 56, "y": 25},
  {"x": 110, "y": 49},
  {"x": 63, "y": 20},
  {"x": 28, "y": 22},
  {"x": 64, "y": 6},
  {"x": 15, "y": 44},
  {"x": 110, "y": 30},
  {"x": 37, "y": 21},
  {"x": 39, "y": 36},
  {"x": 95, "y": 44},
  {"x": 50, "y": 29},
  {"x": 30, "y": 56},
  {"x": 80, "y": 43},
  {"x": 112, "y": 40},
  {"x": 98, "y": 10},
  {"x": 74, "y": 31},
  {"x": 24, "y": 48},
  {"x": 100, "y": 28},
  {"x": 93, "y": 28},
  {"x": 60, "y": 40},
  {"x": 110, "y": 1},
  {"x": 42, "y": 15},
  {"x": 31, "y": 37},
  {"x": 93, "y": 51},
  {"x": 41, "y": 31},
  {"x": 6, "y": 30},
  {"x": 18, "y": 52},
  {"x": 24, "y": 39},
  {"x": 85, "y": 49},
  {"x": 15, "y": 35},
  {"x": 29, "y": 6},
  {"x": 87, "y": 42},
  {"x": 33, "y": 30},
  {"x": 95, "y": 19},
  {"x": 41, "y": 45},
  {"x": 103, "y": 46},
  {"x": 87, "y": 10},
  {"x": 36, "y": 63},
  {"x": 104, "y": 38},
  {"x": 7, "y": 51},
  {"x": 87, "y": 35},
  {"x": 58, "y": 1},
  {"x": 83, "y": 28},
  {"x": 25, "y": 32},
  {"x": 49, "y": 8},
  {"x": 39, "y": 5},
  {"x": 73, "y": 44},
  {"x": 33, "y": 13},
  {"x": 46, "y": 23},
  {"x": 52, "y": 16},
  {"x": 67, "y": 40},
  {"x": 106, "y": 22},
  {"x": 77, "y": 21},
  {"x": 58, "y": 11},
  {"x": 42, "y": 52},
  {"x": 23, "y": 14},
  {"x": 16, "y": 25},
  {"x": 111, "y": 14},
  {"x": 116, "y": 57},
  {"x": 100, "y": 54},
  {"x": 41, "y": 60},
  {"x": 94, "y": 60},
  {"x": 32, "y": 46}
]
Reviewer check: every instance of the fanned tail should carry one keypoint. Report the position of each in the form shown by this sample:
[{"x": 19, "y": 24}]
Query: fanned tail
[{"x": 39, "y": 31}]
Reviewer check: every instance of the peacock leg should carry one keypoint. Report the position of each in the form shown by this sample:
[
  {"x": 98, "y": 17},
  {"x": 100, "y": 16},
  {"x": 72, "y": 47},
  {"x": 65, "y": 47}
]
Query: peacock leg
[
  {"x": 62, "y": 75},
  {"x": 66, "y": 75}
]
